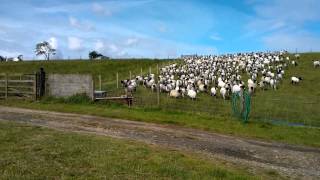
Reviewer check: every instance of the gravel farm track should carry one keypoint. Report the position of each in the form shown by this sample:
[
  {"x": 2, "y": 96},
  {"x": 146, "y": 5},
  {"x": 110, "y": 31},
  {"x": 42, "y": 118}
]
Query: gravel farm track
[{"x": 289, "y": 160}]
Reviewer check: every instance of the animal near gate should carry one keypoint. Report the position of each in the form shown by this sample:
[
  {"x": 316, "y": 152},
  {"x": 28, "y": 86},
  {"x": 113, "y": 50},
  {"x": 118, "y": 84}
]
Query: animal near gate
[{"x": 22, "y": 86}]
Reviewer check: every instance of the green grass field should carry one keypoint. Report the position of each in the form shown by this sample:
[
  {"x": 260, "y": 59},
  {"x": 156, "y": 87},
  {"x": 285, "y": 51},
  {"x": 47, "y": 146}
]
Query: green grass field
[
  {"x": 28, "y": 152},
  {"x": 289, "y": 104}
]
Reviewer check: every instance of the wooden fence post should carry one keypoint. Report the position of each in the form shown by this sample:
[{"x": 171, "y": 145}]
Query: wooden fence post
[
  {"x": 141, "y": 72},
  {"x": 158, "y": 69},
  {"x": 130, "y": 74},
  {"x": 100, "y": 82},
  {"x": 149, "y": 69},
  {"x": 6, "y": 86},
  {"x": 35, "y": 86},
  {"x": 117, "y": 80},
  {"x": 158, "y": 94}
]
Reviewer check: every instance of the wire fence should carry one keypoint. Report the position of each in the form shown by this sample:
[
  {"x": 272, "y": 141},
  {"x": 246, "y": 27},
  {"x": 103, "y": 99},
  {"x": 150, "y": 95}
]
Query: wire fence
[{"x": 276, "y": 109}]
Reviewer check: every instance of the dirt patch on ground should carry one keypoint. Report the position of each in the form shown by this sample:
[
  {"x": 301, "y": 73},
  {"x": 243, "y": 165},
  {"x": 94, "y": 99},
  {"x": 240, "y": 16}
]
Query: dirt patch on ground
[{"x": 288, "y": 160}]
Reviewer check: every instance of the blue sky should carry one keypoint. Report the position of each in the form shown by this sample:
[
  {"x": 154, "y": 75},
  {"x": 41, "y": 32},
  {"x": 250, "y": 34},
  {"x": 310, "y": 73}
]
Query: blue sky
[{"x": 158, "y": 28}]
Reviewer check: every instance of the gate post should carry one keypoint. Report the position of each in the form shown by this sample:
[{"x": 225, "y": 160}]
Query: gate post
[
  {"x": 35, "y": 92},
  {"x": 6, "y": 86},
  {"x": 40, "y": 83}
]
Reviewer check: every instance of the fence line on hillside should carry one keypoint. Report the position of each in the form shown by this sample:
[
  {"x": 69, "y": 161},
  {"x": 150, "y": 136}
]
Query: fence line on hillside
[{"x": 282, "y": 110}]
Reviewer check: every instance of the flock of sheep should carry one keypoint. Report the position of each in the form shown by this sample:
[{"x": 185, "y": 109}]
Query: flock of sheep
[{"x": 219, "y": 75}]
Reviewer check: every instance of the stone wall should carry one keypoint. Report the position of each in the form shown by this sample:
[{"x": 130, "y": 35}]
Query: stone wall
[{"x": 65, "y": 85}]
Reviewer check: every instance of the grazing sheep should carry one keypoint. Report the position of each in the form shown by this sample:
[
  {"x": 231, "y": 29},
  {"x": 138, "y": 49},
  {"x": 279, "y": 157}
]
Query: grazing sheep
[
  {"x": 316, "y": 64},
  {"x": 223, "y": 92},
  {"x": 294, "y": 63},
  {"x": 192, "y": 94},
  {"x": 223, "y": 73},
  {"x": 175, "y": 93},
  {"x": 129, "y": 86},
  {"x": 295, "y": 80},
  {"x": 213, "y": 91},
  {"x": 236, "y": 89},
  {"x": 251, "y": 85},
  {"x": 202, "y": 88},
  {"x": 273, "y": 84}
]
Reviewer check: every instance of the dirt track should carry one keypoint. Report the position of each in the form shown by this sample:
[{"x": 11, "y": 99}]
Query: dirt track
[{"x": 288, "y": 160}]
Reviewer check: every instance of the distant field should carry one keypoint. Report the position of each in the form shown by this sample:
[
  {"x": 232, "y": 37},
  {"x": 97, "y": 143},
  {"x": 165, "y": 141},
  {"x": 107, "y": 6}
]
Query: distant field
[
  {"x": 28, "y": 152},
  {"x": 290, "y": 105}
]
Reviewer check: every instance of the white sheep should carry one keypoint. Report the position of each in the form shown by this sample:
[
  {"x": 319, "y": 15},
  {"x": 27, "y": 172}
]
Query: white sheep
[
  {"x": 316, "y": 63},
  {"x": 295, "y": 80},
  {"x": 236, "y": 89},
  {"x": 273, "y": 84},
  {"x": 294, "y": 63},
  {"x": 202, "y": 88},
  {"x": 213, "y": 91},
  {"x": 223, "y": 92},
  {"x": 175, "y": 93},
  {"x": 192, "y": 94}
]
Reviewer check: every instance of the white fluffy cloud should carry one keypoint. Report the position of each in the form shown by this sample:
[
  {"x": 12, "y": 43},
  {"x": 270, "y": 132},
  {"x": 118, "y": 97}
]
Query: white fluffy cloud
[
  {"x": 84, "y": 26},
  {"x": 215, "y": 37},
  {"x": 292, "y": 41},
  {"x": 53, "y": 42},
  {"x": 100, "y": 10},
  {"x": 75, "y": 44},
  {"x": 99, "y": 46},
  {"x": 280, "y": 24},
  {"x": 132, "y": 41}
]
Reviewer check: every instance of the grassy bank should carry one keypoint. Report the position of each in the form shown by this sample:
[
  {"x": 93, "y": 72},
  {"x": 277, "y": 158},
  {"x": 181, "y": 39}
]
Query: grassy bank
[
  {"x": 28, "y": 152},
  {"x": 220, "y": 124}
]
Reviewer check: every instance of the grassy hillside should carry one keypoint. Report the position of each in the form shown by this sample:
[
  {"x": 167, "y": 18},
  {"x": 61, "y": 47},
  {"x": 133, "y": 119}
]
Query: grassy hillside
[
  {"x": 49, "y": 154},
  {"x": 289, "y": 105},
  {"x": 106, "y": 68}
]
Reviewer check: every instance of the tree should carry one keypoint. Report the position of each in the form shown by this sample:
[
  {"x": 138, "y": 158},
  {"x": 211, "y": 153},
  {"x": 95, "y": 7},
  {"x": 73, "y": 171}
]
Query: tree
[
  {"x": 45, "y": 49},
  {"x": 95, "y": 55},
  {"x": 20, "y": 57}
]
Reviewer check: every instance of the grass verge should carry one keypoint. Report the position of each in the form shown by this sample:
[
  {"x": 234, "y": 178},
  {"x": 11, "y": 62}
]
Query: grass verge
[
  {"x": 219, "y": 124},
  {"x": 30, "y": 152}
]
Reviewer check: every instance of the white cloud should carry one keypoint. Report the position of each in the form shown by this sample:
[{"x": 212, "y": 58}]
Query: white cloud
[
  {"x": 280, "y": 24},
  {"x": 131, "y": 41},
  {"x": 295, "y": 11},
  {"x": 75, "y": 44},
  {"x": 163, "y": 28},
  {"x": 215, "y": 37},
  {"x": 113, "y": 48},
  {"x": 99, "y": 46},
  {"x": 5, "y": 53},
  {"x": 53, "y": 42},
  {"x": 100, "y": 10},
  {"x": 292, "y": 41},
  {"x": 84, "y": 26}
]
